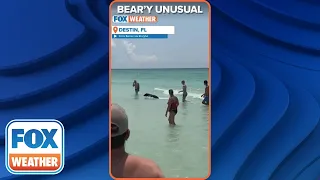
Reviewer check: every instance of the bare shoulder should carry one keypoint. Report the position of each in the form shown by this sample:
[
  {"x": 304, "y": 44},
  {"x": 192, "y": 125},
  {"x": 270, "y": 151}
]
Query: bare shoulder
[
  {"x": 151, "y": 169},
  {"x": 145, "y": 168}
]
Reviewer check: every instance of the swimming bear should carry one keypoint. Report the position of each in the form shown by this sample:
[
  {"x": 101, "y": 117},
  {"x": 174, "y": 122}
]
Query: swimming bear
[{"x": 151, "y": 95}]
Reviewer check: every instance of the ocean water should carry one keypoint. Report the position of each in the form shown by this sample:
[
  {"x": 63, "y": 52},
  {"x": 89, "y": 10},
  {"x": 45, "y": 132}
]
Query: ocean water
[{"x": 180, "y": 151}]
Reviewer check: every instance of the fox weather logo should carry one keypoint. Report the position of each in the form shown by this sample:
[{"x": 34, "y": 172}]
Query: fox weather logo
[
  {"x": 34, "y": 146},
  {"x": 120, "y": 19}
]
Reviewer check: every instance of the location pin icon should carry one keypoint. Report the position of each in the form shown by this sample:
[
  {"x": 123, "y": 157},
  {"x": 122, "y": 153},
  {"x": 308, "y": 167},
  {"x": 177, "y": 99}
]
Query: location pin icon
[{"x": 115, "y": 29}]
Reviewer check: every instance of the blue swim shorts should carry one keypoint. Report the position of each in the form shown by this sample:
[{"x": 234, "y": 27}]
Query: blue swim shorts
[{"x": 206, "y": 99}]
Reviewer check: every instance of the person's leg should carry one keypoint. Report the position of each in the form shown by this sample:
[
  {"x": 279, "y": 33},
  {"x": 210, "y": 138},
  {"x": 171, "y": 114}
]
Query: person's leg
[
  {"x": 184, "y": 96},
  {"x": 171, "y": 118},
  {"x": 173, "y": 115}
]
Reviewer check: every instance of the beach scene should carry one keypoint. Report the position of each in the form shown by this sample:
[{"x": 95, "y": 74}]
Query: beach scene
[
  {"x": 182, "y": 150},
  {"x": 143, "y": 74}
]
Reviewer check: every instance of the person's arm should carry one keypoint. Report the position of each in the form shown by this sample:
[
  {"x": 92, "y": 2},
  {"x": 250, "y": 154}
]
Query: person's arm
[
  {"x": 159, "y": 173},
  {"x": 205, "y": 92},
  {"x": 133, "y": 84},
  {"x": 169, "y": 105},
  {"x": 181, "y": 90},
  {"x": 184, "y": 89},
  {"x": 150, "y": 170},
  {"x": 160, "y": 176},
  {"x": 177, "y": 102},
  {"x": 156, "y": 171}
]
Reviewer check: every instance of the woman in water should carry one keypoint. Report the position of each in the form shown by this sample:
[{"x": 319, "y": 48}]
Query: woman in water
[
  {"x": 172, "y": 108},
  {"x": 184, "y": 91}
]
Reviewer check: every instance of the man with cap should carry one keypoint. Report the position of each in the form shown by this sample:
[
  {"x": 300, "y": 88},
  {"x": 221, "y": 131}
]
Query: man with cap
[{"x": 124, "y": 165}]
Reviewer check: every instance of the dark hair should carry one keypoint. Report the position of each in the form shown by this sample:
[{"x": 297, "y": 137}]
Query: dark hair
[
  {"x": 205, "y": 82},
  {"x": 118, "y": 141},
  {"x": 170, "y": 91}
]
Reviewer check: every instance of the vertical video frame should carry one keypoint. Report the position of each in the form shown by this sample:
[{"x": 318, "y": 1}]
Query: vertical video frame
[{"x": 159, "y": 89}]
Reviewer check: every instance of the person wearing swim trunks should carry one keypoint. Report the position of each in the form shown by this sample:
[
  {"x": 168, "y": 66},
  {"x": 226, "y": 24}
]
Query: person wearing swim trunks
[
  {"x": 206, "y": 93},
  {"x": 184, "y": 91},
  {"x": 172, "y": 108},
  {"x": 136, "y": 86}
]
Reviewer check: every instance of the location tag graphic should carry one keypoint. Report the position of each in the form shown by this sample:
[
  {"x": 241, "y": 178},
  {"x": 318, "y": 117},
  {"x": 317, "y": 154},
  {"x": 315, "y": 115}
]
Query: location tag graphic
[{"x": 115, "y": 29}]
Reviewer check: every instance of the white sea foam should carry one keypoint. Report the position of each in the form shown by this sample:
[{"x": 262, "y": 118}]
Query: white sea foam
[{"x": 176, "y": 92}]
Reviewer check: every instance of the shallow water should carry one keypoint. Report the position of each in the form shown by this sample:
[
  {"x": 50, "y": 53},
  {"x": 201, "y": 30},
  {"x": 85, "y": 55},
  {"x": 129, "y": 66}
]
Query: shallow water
[{"x": 180, "y": 151}]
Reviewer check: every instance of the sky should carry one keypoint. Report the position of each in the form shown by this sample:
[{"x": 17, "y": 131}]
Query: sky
[{"x": 187, "y": 48}]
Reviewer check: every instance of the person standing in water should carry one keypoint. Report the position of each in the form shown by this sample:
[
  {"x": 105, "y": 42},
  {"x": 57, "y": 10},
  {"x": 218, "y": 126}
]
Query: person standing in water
[
  {"x": 184, "y": 91},
  {"x": 206, "y": 93},
  {"x": 172, "y": 108},
  {"x": 136, "y": 86}
]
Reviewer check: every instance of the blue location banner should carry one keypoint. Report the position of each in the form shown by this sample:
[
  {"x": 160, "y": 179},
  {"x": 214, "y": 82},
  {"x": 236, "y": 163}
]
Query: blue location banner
[{"x": 140, "y": 36}]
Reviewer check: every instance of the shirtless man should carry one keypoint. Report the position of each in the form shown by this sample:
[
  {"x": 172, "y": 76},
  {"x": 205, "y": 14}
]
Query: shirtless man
[
  {"x": 206, "y": 93},
  {"x": 136, "y": 86},
  {"x": 184, "y": 91},
  {"x": 172, "y": 108},
  {"x": 124, "y": 165}
]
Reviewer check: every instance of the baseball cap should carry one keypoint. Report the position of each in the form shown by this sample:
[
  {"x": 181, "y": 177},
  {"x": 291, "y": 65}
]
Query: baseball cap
[{"x": 119, "y": 120}]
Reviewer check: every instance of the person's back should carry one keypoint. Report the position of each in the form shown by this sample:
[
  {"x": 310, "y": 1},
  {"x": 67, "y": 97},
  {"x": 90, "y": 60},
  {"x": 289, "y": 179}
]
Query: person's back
[
  {"x": 137, "y": 86},
  {"x": 175, "y": 102},
  {"x": 206, "y": 91},
  {"x": 124, "y": 165},
  {"x": 137, "y": 167}
]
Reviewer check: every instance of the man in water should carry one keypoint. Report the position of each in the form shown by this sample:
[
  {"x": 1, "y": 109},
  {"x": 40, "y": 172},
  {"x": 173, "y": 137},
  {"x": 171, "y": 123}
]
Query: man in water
[
  {"x": 206, "y": 93},
  {"x": 136, "y": 86},
  {"x": 172, "y": 108},
  {"x": 124, "y": 165},
  {"x": 184, "y": 91}
]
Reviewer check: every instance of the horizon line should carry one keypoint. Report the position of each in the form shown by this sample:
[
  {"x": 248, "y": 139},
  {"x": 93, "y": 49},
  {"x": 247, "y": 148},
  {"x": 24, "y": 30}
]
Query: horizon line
[{"x": 156, "y": 68}]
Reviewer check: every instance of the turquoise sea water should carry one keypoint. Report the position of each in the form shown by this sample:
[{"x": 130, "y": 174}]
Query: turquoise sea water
[{"x": 180, "y": 151}]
